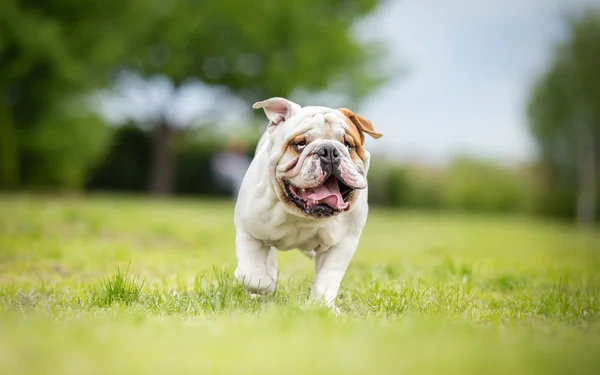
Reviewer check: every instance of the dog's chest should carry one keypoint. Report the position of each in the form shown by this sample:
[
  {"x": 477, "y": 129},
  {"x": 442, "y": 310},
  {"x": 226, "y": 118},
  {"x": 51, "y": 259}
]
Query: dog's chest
[
  {"x": 305, "y": 238},
  {"x": 285, "y": 232}
]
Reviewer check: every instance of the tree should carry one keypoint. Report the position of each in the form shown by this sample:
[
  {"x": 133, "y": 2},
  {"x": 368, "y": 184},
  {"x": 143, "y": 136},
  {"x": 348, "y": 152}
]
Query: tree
[
  {"x": 564, "y": 114},
  {"x": 50, "y": 53},
  {"x": 255, "y": 50}
]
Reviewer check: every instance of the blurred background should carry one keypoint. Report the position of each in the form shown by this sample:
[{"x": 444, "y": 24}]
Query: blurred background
[{"x": 491, "y": 107}]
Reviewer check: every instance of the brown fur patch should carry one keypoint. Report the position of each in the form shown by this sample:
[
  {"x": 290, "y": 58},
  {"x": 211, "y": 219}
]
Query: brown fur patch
[
  {"x": 287, "y": 146},
  {"x": 359, "y": 125}
]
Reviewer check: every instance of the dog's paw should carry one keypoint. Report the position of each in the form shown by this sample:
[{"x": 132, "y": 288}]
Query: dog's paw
[
  {"x": 256, "y": 283},
  {"x": 321, "y": 303},
  {"x": 336, "y": 310}
]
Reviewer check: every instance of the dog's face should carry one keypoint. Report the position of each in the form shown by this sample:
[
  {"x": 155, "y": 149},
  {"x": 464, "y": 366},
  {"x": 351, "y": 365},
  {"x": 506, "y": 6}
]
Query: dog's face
[{"x": 316, "y": 157}]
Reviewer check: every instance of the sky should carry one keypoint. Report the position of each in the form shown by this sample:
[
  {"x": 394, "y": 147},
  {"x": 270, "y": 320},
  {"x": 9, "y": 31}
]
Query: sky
[{"x": 468, "y": 66}]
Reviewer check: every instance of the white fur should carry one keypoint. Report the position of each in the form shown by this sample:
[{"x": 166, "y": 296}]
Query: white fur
[{"x": 264, "y": 223}]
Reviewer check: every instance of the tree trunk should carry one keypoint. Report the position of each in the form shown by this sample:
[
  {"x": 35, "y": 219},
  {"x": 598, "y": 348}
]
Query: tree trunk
[
  {"x": 9, "y": 152},
  {"x": 162, "y": 168},
  {"x": 587, "y": 178}
]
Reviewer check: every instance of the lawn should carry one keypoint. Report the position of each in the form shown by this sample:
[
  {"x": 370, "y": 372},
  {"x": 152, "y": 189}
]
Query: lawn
[{"x": 116, "y": 285}]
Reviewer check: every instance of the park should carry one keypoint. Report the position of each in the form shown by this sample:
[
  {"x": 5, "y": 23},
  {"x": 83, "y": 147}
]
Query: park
[{"x": 126, "y": 128}]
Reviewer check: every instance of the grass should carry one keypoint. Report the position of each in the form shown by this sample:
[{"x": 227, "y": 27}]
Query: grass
[{"x": 119, "y": 285}]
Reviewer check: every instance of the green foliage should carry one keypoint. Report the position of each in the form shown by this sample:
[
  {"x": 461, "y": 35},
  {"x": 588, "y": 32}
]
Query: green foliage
[
  {"x": 425, "y": 187},
  {"x": 194, "y": 154},
  {"x": 125, "y": 165},
  {"x": 267, "y": 50},
  {"x": 477, "y": 185},
  {"x": 404, "y": 185},
  {"x": 555, "y": 201},
  {"x": 255, "y": 52},
  {"x": 399, "y": 186},
  {"x": 466, "y": 184},
  {"x": 51, "y": 51},
  {"x": 9, "y": 158},
  {"x": 62, "y": 150},
  {"x": 62, "y": 45},
  {"x": 378, "y": 177},
  {"x": 564, "y": 117},
  {"x": 551, "y": 122}
]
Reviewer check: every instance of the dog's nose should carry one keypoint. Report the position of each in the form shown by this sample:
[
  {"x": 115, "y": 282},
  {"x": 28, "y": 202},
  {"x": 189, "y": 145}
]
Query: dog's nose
[{"x": 329, "y": 154}]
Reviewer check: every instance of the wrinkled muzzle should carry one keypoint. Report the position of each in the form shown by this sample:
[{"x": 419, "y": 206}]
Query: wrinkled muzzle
[{"x": 322, "y": 179}]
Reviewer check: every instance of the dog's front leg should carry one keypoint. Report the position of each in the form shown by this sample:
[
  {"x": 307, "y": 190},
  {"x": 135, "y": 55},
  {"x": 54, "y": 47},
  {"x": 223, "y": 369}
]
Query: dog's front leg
[
  {"x": 257, "y": 264},
  {"x": 330, "y": 268}
]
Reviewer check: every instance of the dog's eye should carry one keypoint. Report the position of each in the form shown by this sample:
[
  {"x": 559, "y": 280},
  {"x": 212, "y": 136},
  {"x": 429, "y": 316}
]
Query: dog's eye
[
  {"x": 300, "y": 145},
  {"x": 349, "y": 146}
]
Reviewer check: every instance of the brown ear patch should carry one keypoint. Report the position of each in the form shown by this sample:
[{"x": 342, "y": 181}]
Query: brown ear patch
[{"x": 361, "y": 124}]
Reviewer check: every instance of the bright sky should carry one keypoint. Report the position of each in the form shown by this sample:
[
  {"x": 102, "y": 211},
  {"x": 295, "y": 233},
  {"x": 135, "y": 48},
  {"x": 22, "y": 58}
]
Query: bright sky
[
  {"x": 469, "y": 68},
  {"x": 470, "y": 64}
]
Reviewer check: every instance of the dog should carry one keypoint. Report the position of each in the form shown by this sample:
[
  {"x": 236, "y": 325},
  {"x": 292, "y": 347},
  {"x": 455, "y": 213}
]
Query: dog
[{"x": 305, "y": 189}]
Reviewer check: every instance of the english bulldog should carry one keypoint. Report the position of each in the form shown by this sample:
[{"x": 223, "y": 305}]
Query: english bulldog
[{"x": 305, "y": 189}]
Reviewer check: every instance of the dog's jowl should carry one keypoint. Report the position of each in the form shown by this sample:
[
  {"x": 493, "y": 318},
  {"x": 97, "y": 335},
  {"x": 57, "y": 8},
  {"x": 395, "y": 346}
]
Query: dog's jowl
[{"x": 306, "y": 189}]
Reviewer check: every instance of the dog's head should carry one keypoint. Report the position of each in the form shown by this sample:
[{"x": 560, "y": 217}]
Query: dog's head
[{"x": 317, "y": 161}]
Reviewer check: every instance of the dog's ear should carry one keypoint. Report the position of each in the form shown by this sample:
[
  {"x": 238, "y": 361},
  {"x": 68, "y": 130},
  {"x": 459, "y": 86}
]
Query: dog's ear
[
  {"x": 361, "y": 123},
  {"x": 277, "y": 109}
]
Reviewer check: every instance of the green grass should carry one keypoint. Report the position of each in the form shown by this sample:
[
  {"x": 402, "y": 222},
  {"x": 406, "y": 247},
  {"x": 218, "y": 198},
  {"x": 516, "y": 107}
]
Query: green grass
[{"x": 118, "y": 285}]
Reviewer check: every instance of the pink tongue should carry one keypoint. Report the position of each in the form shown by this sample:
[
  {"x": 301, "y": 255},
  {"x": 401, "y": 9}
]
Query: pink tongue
[{"x": 329, "y": 194}]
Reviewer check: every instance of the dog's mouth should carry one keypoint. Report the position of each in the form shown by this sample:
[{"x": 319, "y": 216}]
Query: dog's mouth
[{"x": 325, "y": 200}]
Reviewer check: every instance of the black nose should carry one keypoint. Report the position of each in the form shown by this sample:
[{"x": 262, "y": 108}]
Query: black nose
[{"x": 329, "y": 154}]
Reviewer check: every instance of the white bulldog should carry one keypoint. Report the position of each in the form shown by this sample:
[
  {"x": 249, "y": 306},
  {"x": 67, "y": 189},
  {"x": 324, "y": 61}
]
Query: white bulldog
[{"x": 305, "y": 189}]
